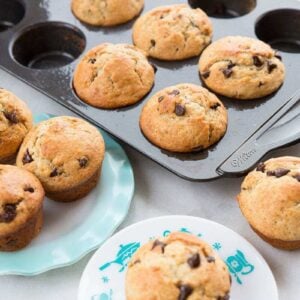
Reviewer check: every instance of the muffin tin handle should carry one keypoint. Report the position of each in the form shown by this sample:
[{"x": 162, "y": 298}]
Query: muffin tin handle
[{"x": 282, "y": 129}]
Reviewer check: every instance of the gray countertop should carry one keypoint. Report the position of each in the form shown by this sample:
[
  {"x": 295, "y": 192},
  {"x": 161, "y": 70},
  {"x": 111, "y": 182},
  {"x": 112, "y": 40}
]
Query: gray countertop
[{"x": 158, "y": 192}]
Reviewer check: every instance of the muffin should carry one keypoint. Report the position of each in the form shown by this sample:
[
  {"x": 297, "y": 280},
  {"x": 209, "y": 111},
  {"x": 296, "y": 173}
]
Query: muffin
[
  {"x": 113, "y": 75},
  {"x": 270, "y": 201},
  {"x": 180, "y": 266},
  {"x": 173, "y": 32},
  {"x": 15, "y": 122},
  {"x": 184, "y": 118},
  {"x": 106, "y": 13},
  {"x": 241, "y": 67},
  {"x": 21, "y": 204},
  {"x": 66, "y": 154}
]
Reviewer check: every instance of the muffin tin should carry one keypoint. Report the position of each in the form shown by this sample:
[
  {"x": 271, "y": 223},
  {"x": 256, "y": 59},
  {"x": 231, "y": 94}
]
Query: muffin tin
[{"x": 41, "y": 43}]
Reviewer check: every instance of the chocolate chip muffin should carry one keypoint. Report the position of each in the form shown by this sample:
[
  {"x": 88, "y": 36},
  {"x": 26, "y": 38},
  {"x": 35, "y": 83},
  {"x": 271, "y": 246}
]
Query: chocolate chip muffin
[
  {"x": 270, "y": 201},
  {"x": 21, "y": 204},
  {"x": 106, "y": 12},
  {"x": 241, "y": 67},
  {"x": 184, "y": 118},
  {"x": 113, "y": 75},
  {"x": 15, "y": 122},
  {"x": 66, "y": 154},
  {"x": 173, "y": 32},
  {"x": 178, "y": 267}
]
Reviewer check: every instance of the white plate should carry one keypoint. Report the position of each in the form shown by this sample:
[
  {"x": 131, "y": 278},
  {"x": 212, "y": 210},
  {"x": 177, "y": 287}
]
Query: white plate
[{"x": 103, "y": 277}]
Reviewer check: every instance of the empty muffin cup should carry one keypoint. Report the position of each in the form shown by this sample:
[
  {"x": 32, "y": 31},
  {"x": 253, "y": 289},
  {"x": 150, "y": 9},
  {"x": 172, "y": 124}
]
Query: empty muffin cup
[
  {"x": 48, "y": 45},
  {"x": 11, "y": 13},
  {"x": 281, "y": 29},
  {"x": 224, "y": 8}
]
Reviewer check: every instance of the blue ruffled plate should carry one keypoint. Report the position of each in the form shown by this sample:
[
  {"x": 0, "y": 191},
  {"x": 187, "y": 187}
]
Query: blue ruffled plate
[{"x": 71, "y": 230}]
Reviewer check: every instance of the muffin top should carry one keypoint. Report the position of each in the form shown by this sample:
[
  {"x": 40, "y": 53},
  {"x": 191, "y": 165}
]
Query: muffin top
[
  {"x": 62, "y": 152},
  {"x": 270, "y": 198},
  {"x": 180, "y": 266},
  {"x": 106, "y": 12},
  {"x": 113, "y": 75},
  {"x": 173, "y": 32},
  {"x": 184, "y": 118},
  {"x": 21, "y": 196},
  {"x": 241, "y": 67},
  {"x": 15, "y": 122}
]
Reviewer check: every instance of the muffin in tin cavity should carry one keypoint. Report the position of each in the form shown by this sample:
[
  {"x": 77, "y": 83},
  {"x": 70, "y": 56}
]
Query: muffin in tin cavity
[
  {"x": 15, "y": 122},
  {"x": 113, "y": 75},
  {"x": 270, "y": 201},
  {"x": 21, "y": 205},
  {"x": 184, "y": 118},
  {"x": 241, "y": 68},
  {"x": 106, "y": 12},
  {"x": 178, "y": 267},
  {"x": 173, "y": 32},
  {"x": 66, "y": 154}
]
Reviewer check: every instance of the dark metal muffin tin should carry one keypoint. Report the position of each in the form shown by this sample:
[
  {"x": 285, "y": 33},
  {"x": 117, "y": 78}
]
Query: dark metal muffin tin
[{"x": 41, "y": 43}]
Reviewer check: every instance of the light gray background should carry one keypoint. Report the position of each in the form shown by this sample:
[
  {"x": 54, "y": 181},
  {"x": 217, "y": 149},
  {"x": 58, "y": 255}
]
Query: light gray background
[{"x": 158, "y": 192}]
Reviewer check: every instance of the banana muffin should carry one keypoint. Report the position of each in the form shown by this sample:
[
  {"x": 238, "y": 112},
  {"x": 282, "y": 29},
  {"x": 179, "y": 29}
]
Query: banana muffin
[
  {"x": 21, "y": 205},
  {"x": 184, "y": 118},
  {"x": 66, "y": 154},
  {"x": 113, "y": 75},
  {"x": 270, "y": 201},
  {"x": 106, "y": 12},
  {"x": 241, "y": 67},
  {"x": 15, "y": 122},
  {"x": 178, "y": 267},
  {"x": 173, "y": 32}
]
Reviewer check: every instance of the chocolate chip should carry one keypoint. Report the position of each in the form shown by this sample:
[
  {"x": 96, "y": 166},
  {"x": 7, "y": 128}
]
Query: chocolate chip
[
  {"x": 260, "y": 84},
  {"x": 257, "y": 61},
  {"x": 278, "y": 56},
  {"x": 54, "y": 172},
  {"x": 185, "y": 291},
  {"x": 179, "y": 109},
  {"x": 278, "y": 172},
  {"x": 210, "y": 259},
  {"x": 206, "y": 74},
  {"x": 27, "y": 158},
  {"x": 158, "y": 243},
  {"x": 92, "y": 60},
  {"x": 174, "y": 92},
  {"x": 9, "y": 213},
  {"x": 153, "y": 43},
  {"x": 194, "y": 261},
  {"x": 29, "y": 189},
  {"x": 215, "y": 106},
  {"x": 228, "y": 71},
  {"x": 11, "y": 117},
  {"x": 226, "y": 297},
  {"x": 297, "y": 176},
  {"x": 83, "y": 162},
  {"x": 161, "y": 98},
  {"x": 154, "y": 67},
  {"x": 138, "y": 261},
  {"x": 261, "y": 167},
  {"x": 271, "y": 67}
]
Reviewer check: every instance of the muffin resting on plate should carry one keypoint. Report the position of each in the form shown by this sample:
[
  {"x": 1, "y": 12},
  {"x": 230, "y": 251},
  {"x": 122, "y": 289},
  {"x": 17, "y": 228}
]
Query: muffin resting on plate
[
  {"x": 21, "y": 204},
  {"x": 184, "y": 118},
  {"x": 66, "y": 154},
  {"x": 106, "y": 13},
  {"x": 15, "y": 122},
  {"x": 113, "y": 75},
  {"x": 241, "y": 67},
  {"x": 270, "y": 201},
  {"x": 173, "y": 32},
  {"x": 178, "y": 267}
]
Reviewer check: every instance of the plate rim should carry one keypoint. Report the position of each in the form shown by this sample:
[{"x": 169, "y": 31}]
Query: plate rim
[
  {"x": 77, "y": 256},
  {"x": 172, "y": 217}
]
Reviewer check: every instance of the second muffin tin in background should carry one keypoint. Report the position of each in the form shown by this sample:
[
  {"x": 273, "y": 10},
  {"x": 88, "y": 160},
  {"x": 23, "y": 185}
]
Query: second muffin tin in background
[{"x": 43, "y": 47}]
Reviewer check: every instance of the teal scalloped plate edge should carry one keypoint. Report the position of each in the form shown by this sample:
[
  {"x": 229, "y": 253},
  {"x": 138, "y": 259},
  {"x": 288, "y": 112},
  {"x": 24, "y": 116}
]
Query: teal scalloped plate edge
[{"x": 72, "y": 247}]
